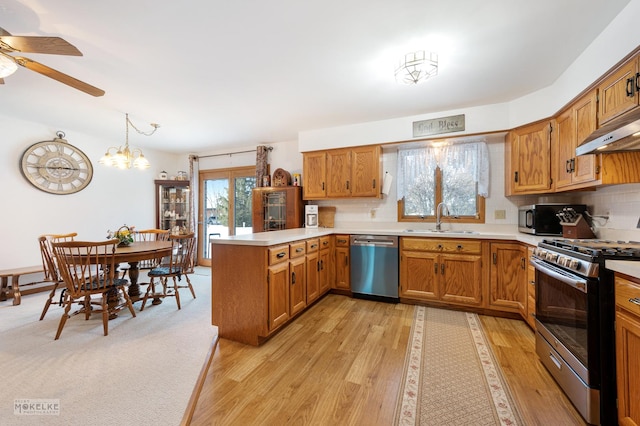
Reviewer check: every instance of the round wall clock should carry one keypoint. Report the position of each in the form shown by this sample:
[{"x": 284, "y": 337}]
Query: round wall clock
[
  {"x": 281, "y": 178},
  {"x": 56, "y": 166}
]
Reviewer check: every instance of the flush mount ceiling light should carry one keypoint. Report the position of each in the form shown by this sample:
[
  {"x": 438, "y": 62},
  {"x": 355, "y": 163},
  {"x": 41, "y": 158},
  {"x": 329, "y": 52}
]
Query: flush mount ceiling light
[
  {"x": 416, "y": 67},
  {"x": 124, "y": 157},
  {"x": 7, "y": 66}
]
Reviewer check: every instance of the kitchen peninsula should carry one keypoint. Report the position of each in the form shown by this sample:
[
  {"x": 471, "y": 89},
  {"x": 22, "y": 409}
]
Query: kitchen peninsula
[{"x": 260, "y": 282}]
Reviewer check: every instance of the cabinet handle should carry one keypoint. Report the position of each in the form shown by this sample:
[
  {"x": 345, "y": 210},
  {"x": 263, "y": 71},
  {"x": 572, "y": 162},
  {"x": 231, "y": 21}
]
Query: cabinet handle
[
  {"x": 299, "y": 250},
  {"x": 638, "y": 81},
  {"x": 459, "y": 247},
  {"x": 567, "y": 166},
  {"x": 293, "y": 278},
  {"x": 515, "y": 177},
  {"x": 314, "y": 245},
  {"x": 346, "y": 261},
  {"x": 325, "y": 243},
  {"x": 635, "y": 300},
  {"x": 523, "y": 263},
  {"x": 442, "y": 268},
  {"x": 347, "y": 184},
  {"x": 318, "y": 266},
  {"x": 281, "y": 255},
  {"x": 323, "y": 186},
  {"x": 532, "y": 282},
  {"x": 439, "y": 246},
  {"x": 322, "y": 265},
  {"x": 630, "y": 86},
  {"x": 495, "y": 258},
  {"x": 573, "y": 165},
  {"x": 374, "y": 184},
  {"x": 341, "y": 241},
  {"x": 436, "y": 269}
]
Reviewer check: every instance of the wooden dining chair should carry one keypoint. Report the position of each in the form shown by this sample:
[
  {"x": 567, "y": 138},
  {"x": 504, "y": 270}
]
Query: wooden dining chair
[
  {"x": 51, "y": 273},
  {"x": 88, "y": 270},
  {"x": 152, "y": 234},
  {"x": 176, "y": 266}
]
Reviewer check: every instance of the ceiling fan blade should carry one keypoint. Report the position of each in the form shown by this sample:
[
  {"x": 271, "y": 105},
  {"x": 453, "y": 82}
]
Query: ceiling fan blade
[
  {"x": 57, "y": 75},
  {"x": 50, "y": 45}
]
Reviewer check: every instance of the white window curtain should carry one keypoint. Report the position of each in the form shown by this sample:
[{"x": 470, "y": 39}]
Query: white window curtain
[{"x": 472, "y": 157}]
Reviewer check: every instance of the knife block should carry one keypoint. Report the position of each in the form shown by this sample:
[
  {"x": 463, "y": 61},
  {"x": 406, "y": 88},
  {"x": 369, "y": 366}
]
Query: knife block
[{"x": 577, "y": 229}]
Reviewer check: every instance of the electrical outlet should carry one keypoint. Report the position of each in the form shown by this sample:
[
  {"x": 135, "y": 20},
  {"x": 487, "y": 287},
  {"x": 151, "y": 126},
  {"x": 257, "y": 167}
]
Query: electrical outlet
[
  {"x": 372, "y": 213},
  {"x": 500, "y": 214}
]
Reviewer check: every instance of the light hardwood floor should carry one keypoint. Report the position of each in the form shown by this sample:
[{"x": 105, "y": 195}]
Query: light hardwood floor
[{"x": 341, "y": 363}]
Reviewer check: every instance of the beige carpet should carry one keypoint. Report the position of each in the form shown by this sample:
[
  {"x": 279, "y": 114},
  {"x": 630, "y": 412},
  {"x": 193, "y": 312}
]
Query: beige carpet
[
  {"x": 142, "y": 373},
  {"x": 451, "y": 375}
]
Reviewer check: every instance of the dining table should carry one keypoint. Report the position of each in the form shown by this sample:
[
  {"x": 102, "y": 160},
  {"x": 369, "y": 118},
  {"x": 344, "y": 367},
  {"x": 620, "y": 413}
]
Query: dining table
[{"x": 137, "y": 252}]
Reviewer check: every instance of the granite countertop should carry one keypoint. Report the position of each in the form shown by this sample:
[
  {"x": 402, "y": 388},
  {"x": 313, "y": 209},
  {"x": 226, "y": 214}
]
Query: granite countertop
[{"x": 289, "y": 235}]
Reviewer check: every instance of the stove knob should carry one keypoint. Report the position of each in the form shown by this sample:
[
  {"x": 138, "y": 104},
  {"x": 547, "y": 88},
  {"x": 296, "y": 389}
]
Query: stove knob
[
  {"x": 574, "y": 264},
  {"x": 552, "y": 257},
  {"x": 562, "y": 261}
]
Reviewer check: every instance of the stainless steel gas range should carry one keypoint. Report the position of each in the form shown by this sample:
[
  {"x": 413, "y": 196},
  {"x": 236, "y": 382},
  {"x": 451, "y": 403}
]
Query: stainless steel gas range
[{"x": 575, "y": 311}]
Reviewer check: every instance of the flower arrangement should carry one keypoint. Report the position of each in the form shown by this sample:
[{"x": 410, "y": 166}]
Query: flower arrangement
[{"x": 124, "y": 234}]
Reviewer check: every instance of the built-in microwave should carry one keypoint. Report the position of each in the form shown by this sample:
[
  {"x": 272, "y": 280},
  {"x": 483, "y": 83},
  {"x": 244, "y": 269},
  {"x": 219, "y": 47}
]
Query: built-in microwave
[{"x": 542, "y": 219}]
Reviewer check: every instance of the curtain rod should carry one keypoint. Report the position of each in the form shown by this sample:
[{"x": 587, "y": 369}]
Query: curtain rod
[{"x": 269, "y": 148}]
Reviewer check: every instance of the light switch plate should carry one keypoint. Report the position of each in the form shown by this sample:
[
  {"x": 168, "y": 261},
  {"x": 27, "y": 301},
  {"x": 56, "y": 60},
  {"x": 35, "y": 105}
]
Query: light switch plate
[{"x": 500, "y": 214}]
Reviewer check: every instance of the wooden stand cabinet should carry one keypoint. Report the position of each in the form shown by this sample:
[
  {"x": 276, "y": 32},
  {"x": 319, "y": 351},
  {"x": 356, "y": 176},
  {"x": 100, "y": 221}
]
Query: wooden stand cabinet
[
  {"x": 528, "y": 159},
  {"x": 628, "y": 350},
  {"x": 507, "y": 278},
  {"x": 173, "y": 204},
  {"x": 340, "y": 173},
  {"x": 441, "y": 270},
  {"x": 276, "y": 208}
]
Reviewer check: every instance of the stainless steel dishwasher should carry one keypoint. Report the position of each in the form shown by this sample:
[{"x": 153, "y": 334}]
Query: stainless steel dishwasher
[{"x": 374, "y": 267}]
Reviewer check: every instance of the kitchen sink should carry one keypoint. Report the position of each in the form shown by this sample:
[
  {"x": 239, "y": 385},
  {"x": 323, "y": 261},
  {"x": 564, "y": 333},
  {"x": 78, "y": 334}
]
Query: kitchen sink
[{"x": 442, "y": 231}]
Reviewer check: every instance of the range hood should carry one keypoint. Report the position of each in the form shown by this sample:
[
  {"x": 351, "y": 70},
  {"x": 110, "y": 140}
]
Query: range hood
[{"x": 621, "y": 134}]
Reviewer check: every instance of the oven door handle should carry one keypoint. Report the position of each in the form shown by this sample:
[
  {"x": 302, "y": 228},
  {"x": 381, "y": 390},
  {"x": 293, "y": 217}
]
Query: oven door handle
[{"x": 561, "y": 275}]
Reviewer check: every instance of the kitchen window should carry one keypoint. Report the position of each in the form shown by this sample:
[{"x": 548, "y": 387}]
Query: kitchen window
[{"x": 454, "y": 174}]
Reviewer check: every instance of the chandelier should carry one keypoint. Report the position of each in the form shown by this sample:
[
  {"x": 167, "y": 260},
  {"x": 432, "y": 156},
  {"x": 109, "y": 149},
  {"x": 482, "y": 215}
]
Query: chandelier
[
  {"x": 7, "y": 66},
  {"x": 417, "y": 66},
  {"x": 124, "y": 157}
]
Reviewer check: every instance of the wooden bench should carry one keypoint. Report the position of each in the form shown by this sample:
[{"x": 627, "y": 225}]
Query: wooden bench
[{"x": 15, "y": 275}]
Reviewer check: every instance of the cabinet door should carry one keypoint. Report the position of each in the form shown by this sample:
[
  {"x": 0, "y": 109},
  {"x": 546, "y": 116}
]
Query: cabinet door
[
  {"x": 324, "y": 279},
  {"x": 586, "y": 118},
  {"x": 614, "y": 97},
  {"x": 365, "y": 171},
  {"x": 532, "y": 159},
  {"x": 628, "y": 368},
  {"x": 531, "y": 291},
  {"x": 278, "y": 280},
  {"x": 506, "y": 287},
  {"x": 343, "y": 271},
  {"x": 339, "y": 173},
  {"x": 418, "y": 275},
  {"x": 564, "y": 143},
  {"x": 298, "y": 287},
  {"x": 314, "y": 171},
  {"x": 461, "y": 279},
  {"x": 313, "y": 276}
]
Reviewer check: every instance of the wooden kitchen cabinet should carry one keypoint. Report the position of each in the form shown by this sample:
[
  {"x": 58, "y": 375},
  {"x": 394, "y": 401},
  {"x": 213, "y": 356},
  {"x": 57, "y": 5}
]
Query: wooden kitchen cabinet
[
  {"x": 278, "y": 286},
  {"x": 313, "y": 270},
  {"x": 528, "y": 159},
  {"x": 342, "y": 173},
  {"x": 276, "y": 208},
  {"x": 530, "y": 317},
  {"x": 618, "y": 91},
  {"x": 342, "y": 266},
  {"x": 572, "y": 127},
  {"x": 443, "y": 270},
  {"x": 297, "y": 277},
  {"x": 507, "y": 277},
  {"x": 627, "y": 349},
  {"x": 325, "y": 257}
]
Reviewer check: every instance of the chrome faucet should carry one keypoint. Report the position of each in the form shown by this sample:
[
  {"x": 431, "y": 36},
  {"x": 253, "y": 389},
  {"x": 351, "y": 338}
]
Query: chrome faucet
[{"x": 440, "y": 210}]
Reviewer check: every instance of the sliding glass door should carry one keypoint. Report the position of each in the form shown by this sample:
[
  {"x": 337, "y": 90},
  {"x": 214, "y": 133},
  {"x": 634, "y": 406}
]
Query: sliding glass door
[{"x": 224, "y": 207}]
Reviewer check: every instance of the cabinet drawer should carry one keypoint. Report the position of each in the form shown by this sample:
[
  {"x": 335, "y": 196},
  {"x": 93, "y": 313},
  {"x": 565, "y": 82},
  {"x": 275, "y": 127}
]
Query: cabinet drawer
[
  {"x": 297, "y": 249},
  {"x": 628, "y": 295},
  {"x": 445, "y": 246},
  {"x": 342, "y": 241},
  {"x": 313, "y": 245},
  {"x": 325, "y": 242},
  {"x": 278, "y": 254}
]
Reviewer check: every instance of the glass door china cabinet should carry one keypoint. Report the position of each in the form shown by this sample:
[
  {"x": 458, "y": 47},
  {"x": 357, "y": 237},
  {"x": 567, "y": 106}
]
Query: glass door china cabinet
[
  {"x": 173, "y": 205},
  {"x": 276, "y": 208}
]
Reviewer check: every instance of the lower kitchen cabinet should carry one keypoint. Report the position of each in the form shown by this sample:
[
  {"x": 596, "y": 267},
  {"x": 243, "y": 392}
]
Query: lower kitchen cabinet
[
  {"x": 530, "y": 316},
  {"x": 627, "y": 350},
  {"x": 325, "y": 258},
  {"x": 313, "y": 271},
  {"x": 278, "y": 286},
  {"x": 297, "y": 278},
  {"x": 507, "y": 278},
  {"x": 342, "y": 267},
  {"x": 441, "y": 270}
]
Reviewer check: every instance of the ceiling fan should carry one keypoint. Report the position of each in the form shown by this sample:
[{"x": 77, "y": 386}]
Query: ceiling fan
[{"x": 51, "y": 45}]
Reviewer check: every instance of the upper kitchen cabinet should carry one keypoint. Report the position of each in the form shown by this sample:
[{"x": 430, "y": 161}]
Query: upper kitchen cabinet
[
  {"x": 572, "y": 127},
  {"x": 342, "y": 173},
  {"x": 619, "y": 90},
  {"x": 172, "y": 204},
  {"x": 528, "y": 159}
]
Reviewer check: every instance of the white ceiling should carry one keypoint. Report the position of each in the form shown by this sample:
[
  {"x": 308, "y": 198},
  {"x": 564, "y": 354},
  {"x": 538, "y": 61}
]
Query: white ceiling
[{"x": 219, "y": 75}]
